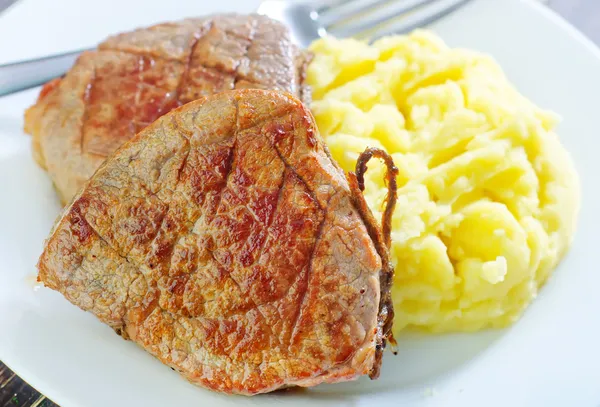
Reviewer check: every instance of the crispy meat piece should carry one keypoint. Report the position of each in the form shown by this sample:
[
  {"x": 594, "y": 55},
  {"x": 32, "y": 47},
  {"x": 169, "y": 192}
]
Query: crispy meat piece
[
  {"x": 225, "y": 241},
  {"x": 132, "y": 79}
]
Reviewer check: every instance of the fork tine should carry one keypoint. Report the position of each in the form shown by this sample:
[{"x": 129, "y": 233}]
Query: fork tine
[
  {"x": 420, "y": 18},
  {"x": 321, "y": 6},
  {"x": 335, "y": 14},
  {"x": 414, "y": 13}
]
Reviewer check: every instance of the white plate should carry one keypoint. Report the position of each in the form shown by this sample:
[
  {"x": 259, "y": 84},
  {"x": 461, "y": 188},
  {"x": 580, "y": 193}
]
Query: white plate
[{"x": 550, "y": 358}]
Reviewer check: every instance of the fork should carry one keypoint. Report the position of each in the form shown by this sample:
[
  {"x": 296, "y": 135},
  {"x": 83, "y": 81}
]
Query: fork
[
  {"x": 371, "y": 19},
  {"x": 307, "y": 22}
]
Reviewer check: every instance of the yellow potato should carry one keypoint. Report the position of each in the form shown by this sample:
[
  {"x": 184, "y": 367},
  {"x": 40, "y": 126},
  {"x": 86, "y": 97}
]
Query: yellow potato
[{"x": 488, "y": 197}]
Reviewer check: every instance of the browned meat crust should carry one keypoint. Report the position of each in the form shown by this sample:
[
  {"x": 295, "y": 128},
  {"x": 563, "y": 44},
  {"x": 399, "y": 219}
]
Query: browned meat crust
[
  {"x": 133, "y": 78},
  {"x": 225, "y": 241}
]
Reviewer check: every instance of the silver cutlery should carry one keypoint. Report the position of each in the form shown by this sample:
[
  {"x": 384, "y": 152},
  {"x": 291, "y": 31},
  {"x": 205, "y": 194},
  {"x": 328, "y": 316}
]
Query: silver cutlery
[{"x": 309, "y": 21}]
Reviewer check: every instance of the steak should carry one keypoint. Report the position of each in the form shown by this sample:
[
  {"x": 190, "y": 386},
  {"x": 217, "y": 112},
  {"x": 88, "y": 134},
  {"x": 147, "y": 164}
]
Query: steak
[
  {"x": 132, "y": 79},
  {"x": 225, "y": 241}
]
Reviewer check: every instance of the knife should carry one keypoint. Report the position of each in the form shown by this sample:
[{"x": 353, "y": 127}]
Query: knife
[{"x": 23, "y": 75}]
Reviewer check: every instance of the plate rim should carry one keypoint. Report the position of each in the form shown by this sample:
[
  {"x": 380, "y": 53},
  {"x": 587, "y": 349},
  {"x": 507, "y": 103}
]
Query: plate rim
[{"x": 58, "y": 396}]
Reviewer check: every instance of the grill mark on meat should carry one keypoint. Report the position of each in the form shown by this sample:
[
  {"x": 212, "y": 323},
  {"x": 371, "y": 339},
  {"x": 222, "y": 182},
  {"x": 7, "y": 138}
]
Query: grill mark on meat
[
  {"x": 183, "y": 163},
  {"x": 256, "y": 308},
  {"x": 228, "y": 172},
  {"x": 293, "y": 170},
  {"x": 116, "y": 251},
  {"x": 201, "y": 215},
  {"x": 246, "y": 49},
  {"x": 228, "y": 168},
  {"x": 163, "y": 252},
  {"x": 184, "y": 76},
  {"x": 90, "y": 230},
  {"x": 302, "y": 180},
  {"x": 309, "y": 273},
  {"x": 268, "y": 225},
  {"x": 108, "y": 48},
  {"x": 230, "y": 162}
]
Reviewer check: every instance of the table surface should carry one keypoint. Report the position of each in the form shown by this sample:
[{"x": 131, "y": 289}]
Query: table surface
[{"x": 584, "y": 14}]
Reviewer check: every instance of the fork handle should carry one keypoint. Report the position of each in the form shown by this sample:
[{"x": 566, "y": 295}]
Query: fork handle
[{"x": 28, "y": 74}]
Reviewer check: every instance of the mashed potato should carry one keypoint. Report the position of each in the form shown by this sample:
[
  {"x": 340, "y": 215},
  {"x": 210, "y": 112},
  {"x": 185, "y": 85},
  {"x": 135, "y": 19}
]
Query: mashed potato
[{"x": 488, "y": 197}]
